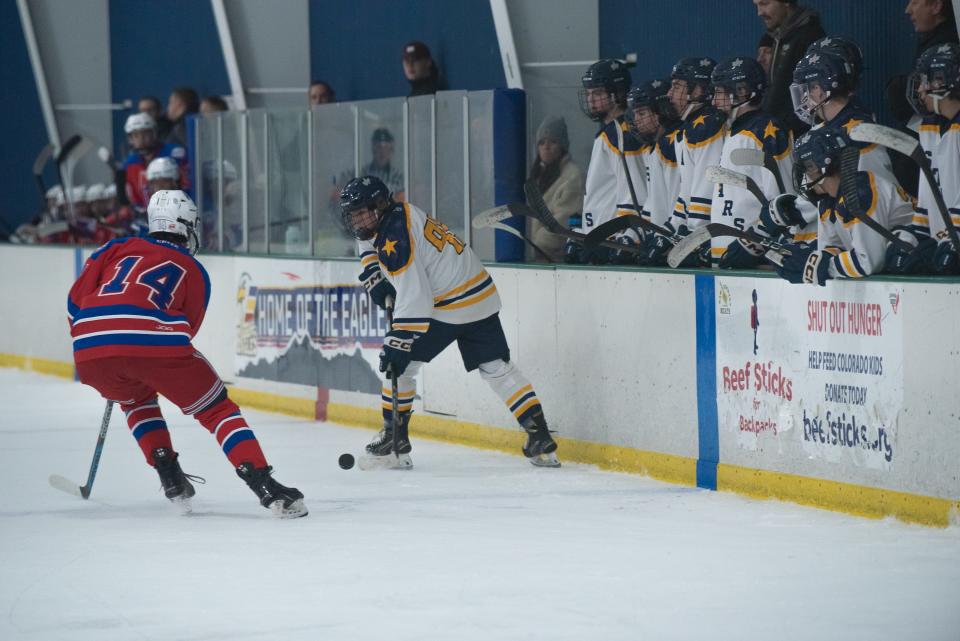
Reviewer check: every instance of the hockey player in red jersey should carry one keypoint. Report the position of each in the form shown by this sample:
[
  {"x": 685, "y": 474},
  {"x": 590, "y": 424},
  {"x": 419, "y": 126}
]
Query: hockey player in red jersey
[
  {"x": 142, "y": 137},
  {"x": 133, "y": 312},
  {"x": 443, "y": 295}
]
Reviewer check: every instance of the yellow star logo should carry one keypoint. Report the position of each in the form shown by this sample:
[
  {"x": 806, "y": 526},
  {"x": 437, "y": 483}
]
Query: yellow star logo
[
  {"x": 699, "y": 120},
  {"x": 390, "y": 247},
  {"x": 850, "y": 125},
  {"x": 770, "y": 131}
]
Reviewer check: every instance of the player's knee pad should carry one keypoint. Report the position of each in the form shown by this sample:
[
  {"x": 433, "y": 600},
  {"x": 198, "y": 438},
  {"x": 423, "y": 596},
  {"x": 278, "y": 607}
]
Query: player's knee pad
[
  {"x": 503, "y": 376},
  {"x": 407, "y": 380}
]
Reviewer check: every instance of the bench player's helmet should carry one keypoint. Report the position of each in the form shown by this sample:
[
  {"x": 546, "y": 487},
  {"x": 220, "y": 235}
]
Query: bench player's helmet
[
  {"x": 937, "y": 75},
  {"x": 740, "y": 81},
  {"x": 363, "y": 202},
  {"x": 830, "y": 72},
  {"x": 647, "y": 107},
  {"x": 172, "y": 215},
  {"x": 141, "y": 130},
  {"x": 845, "y": 48},
  {"x": 816, "y": 155},
  {"x": 611, "y": 76},
  {"x": 694, "y": 73}
]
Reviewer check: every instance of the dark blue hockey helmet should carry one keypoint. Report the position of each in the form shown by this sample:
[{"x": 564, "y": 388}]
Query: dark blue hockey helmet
[
  {"x": 694, "y": 73},
  {"x": 742, "y": 80},
  {"x": 830, "y": 72},
  {"x": 937, "y": 75},
  {"x": 363, "y": 202},
  {"x": 610, "y": 75},
  {"x": 646, "y": 103},
  {"x": 845, "y": 48},
  {"x": 817, "y": 154}
]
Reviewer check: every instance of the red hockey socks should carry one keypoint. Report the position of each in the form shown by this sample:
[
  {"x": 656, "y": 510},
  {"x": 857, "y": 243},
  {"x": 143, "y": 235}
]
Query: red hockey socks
[
  {"x": 147, "y": 426},
  {"x": 235, "y": 437}
]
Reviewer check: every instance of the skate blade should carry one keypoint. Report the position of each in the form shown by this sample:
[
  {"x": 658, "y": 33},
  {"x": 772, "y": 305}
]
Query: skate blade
[
  {"x": 296, "y": 509},
  {"x": 183, "y": 504},
  {"x": 387, "y": 462},
  {"x": 545, "y": 460}
]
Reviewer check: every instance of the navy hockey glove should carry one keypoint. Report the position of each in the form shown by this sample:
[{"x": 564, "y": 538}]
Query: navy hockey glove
[
  {"x": 377, "y": 285},
  {"x": 572, "y": 252},
  {"x": 780, "y": 213},
  {"x": 741, "y": 254},
  {"x": 805, "y": 265},
  {"x": 898, "y": 261},
  {"x": 945, "y": 260},
  {"x": 620, "y": 257},
  {"x": 397, "y": 351}
]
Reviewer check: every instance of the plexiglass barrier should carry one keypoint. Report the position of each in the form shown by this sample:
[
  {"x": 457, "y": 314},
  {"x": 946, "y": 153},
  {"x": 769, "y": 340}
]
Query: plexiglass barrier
[{"x": 268, "y": 181}]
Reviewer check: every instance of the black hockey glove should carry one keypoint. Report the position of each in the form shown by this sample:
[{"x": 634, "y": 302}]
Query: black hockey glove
[
  {"x": 945, "y": 260},
  {"x": 397, "y": 351},
  {"x": 377, "y": 285},
  {"x": 805, "y": 265},
  {"x": 780, "y": 213},
  {"x": 741, "y": 254},
  {"x": 898, "y": 261},
  {"x": 620, "y": 257},
  {"x": 573, "y": 252}
]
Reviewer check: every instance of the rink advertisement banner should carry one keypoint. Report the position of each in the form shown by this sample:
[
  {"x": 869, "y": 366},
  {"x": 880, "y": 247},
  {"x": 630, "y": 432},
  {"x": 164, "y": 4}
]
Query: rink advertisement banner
[
  {"x": 811, "y": 371},
  {"x": 307, "y": 322}
]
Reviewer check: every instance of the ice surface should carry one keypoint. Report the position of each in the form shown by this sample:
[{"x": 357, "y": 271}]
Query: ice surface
[{"x": 468, "y": 546}]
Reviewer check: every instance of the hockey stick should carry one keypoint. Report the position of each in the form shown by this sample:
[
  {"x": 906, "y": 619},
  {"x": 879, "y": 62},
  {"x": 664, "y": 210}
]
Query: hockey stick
[
  {"x": 689, "y": 244},
  {"x": 849, "y": 168},
  {"x": 906, "y": 145},
  {"x": 492, "y": 219},
  {"x": 38, "y": 165},
  {"x": 722, "y": 175},
  {"x": 744, "y": 157},
  {"x": 83, "y": 491},
  {"x": 67, "y": 160}
]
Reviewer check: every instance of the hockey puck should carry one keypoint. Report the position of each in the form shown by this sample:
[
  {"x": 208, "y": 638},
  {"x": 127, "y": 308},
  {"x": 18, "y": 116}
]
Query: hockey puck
[{"x": 345, "y": 461}]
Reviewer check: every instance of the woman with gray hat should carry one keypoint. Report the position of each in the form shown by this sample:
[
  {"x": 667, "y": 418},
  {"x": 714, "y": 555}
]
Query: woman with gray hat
[{"x": 560, "y": 181}]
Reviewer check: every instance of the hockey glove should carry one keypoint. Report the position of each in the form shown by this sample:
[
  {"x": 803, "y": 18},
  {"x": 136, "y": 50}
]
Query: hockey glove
[
  {"x": 741, "y": 254},
  {"x": 397, "y": 352},
  {"x": 898, "y": 261},
  {"x": 945, "y": 260},
  {"x": 572, "y": 251},
  {"x": 779, "y": 214},
  {"x": 620, "y": 257},
  {"x": 377, "y": 285},
  {"x": 805, "y": 265}
]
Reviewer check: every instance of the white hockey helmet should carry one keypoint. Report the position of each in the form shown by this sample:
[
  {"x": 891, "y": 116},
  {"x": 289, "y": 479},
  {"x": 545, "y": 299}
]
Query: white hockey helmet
[
  {"x": 78, "y": 194},
  {"x": 172, "y": 211},
  {"x": 94, "y": 192},
  {"x": 55, "y": 193},
  {"x": 138, "y": 121},
  {"x": 163, "y": 167},
  {"x": 110, "y": 191}
]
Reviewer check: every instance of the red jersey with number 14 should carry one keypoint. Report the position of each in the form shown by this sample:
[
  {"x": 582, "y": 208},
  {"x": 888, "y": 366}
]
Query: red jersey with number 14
[{"x": 137, "y": 297}]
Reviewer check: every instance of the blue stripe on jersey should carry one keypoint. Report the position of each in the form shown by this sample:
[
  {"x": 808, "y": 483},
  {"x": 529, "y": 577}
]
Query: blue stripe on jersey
[
  {"x": 245, "y": 434},
  {"x": 115, "y": 241},
  {"x": 132, "y": 310},
  {"x": 149, "y": 426},
  {"x": 487, "y": 282},
  {"x": 702, "y": 201},
  {"x": 147, "y": 340},
  {"x": 72, "y": 309}
]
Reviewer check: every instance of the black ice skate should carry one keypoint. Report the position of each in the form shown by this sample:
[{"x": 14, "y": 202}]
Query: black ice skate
[
  {"x": 284, "y": 502},
  {"x": 540, "y": 447},
  {"x": 176, "y": 485},
  {"x": 380, "y": 452}
]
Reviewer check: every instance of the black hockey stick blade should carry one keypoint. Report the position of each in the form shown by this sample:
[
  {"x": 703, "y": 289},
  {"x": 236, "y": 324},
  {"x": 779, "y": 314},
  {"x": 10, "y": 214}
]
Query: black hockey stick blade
[
  {"x": 849, "y": 168},
  {"x": 539, "y": 206},
  {"x": 688, "y": 244},
  {"x": 523, "y": 209},
  {"x": 605, "y": 230},
  {"x": 513, "y": 231},
  {"x": 724, "y": 176},
  {"x": 910, "y": 147}
]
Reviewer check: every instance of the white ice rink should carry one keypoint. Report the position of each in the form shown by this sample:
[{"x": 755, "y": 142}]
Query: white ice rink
[{"x": 468, "y": 546}]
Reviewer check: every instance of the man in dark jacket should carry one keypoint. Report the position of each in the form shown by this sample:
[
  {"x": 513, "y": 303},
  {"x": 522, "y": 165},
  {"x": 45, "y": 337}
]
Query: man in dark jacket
[{"x": 793, "y": 29}]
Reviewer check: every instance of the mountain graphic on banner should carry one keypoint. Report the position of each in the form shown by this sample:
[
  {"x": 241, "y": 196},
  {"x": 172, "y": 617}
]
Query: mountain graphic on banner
[{"x": 305, "y": 365}]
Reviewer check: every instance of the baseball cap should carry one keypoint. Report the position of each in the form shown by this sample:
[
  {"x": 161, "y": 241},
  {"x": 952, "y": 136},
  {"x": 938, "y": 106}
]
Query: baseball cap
[{"x": 415, "y": 50}]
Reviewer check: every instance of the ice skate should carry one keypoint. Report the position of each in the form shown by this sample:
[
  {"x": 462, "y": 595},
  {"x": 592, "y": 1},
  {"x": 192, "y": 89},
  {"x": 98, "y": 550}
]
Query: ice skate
[
  {"x": 379, "y": 451},
  {"x": 540, "y": 447},
  {"x": 176, "y": 485},
  {"x": 284, "y": 502}
]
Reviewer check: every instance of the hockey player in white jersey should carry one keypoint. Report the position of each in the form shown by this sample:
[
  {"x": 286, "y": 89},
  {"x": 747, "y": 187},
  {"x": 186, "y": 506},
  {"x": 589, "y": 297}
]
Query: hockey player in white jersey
[
  {"x": 442, "y": 294},
  {"x": 846, "y": 247},
  {"x": 698, "y": 147},
  {"x": 603, "y": 99},
  {"x": 934, "y": 92},
  {"x": 738, "y": 88}
]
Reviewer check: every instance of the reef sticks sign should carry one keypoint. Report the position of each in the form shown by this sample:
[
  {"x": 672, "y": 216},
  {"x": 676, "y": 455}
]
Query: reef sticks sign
[{"x": 813, "y": 372}]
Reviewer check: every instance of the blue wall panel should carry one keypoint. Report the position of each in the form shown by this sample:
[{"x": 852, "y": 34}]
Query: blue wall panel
[
  {"x": 357, "y": 46},
  {"x": 663, "y": 32},
  {"x": 23, "y": 131},
  {"x": 157, "y": 45}
]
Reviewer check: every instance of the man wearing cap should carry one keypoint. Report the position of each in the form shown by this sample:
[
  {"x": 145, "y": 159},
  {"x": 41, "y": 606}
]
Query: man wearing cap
[
  {"x": 420, "y": 69},
  {"x": 380, "y": 165},
  {"x": 793, "y": 28}
]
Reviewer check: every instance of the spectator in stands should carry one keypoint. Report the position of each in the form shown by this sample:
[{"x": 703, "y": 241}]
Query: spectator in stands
[
  {"x": 420, "y": 69},
  {"x": 380, "y": 165},
  {"x": 320, "y": 93},
  {"x": 560, "y": 181},
  {"x": 183, "y": 101},
  {"x": 151, "y": 105},
  {"x": 793, "y": 28},
  {"x": 765, "y": 52},
  {"x": 213, "y": 104}
]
